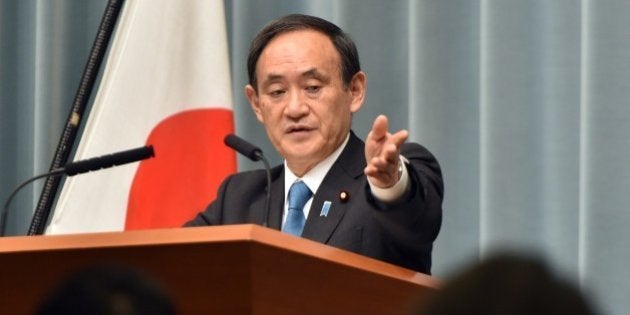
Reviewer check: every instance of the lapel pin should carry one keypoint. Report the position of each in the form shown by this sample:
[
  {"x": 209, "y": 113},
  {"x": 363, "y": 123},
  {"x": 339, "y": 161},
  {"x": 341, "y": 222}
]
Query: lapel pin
[
  {"x": 344, "y": 196},
  {"x": 325, "y": 208}
]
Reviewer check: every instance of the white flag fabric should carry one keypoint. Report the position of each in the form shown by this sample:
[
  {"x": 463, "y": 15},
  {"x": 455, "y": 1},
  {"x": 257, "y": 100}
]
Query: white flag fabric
[{"x": 166, "y": 83}]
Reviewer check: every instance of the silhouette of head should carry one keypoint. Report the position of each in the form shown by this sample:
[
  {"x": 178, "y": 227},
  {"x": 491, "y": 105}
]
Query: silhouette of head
[
  {"x": 508, "y": 284},
  {"x": 110, "y": 290}
]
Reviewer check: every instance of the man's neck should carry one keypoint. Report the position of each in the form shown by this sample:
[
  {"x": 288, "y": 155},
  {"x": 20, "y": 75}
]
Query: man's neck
[{"x": 300, "y": 169}]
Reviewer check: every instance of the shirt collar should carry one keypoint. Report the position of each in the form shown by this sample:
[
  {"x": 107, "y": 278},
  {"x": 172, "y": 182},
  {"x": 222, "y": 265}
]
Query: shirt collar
[{"x": 315, "y": 176}]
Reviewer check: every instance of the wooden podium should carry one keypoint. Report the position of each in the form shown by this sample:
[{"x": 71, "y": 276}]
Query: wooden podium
[{"x": 238, "y": 269}]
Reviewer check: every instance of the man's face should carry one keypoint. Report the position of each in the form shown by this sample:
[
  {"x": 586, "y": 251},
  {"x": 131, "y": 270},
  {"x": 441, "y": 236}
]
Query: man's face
[{"x": 301, "y": 98}]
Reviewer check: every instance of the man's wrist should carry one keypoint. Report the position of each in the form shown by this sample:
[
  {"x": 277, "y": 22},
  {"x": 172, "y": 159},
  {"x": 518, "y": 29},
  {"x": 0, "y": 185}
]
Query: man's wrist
[{"x": 395, "y": 192}]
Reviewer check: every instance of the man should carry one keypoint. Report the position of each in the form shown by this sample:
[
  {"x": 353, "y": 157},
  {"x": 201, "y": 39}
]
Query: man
[{"x": 305, "y": 83}]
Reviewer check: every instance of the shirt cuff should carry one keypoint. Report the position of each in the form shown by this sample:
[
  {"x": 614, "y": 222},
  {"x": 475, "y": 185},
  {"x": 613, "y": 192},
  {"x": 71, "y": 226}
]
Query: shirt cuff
[{"x": 393, "y": 193}]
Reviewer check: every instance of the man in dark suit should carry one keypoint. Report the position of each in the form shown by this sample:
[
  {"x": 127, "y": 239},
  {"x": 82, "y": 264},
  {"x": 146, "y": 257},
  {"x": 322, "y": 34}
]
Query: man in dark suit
[{"x": 381, "y": 198}]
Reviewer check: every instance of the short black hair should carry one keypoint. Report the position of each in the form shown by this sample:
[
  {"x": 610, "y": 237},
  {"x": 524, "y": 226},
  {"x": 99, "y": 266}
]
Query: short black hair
[{"x": 350, "y": 64}]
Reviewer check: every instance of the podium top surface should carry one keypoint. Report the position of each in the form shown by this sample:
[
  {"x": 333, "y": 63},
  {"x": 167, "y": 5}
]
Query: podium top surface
[{"x": 216, "y": 234}]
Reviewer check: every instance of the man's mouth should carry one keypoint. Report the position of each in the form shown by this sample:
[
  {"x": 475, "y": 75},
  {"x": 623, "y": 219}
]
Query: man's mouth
[{"x": 298, "y": 129}]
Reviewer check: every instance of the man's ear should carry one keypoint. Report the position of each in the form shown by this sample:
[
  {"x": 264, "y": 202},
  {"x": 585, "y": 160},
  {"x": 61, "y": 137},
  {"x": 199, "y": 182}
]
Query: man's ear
[
  {"x": 357, "y": 89},
  {"x": 252, "y": 97}
]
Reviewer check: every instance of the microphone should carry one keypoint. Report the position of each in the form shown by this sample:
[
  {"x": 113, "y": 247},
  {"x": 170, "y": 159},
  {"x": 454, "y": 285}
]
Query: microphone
[
  {"x": 243, "y": 147},
  {"x": 109, "y": 160},
  {"x": 80, "y": 167},
  {"x": 255, "y": 154}
]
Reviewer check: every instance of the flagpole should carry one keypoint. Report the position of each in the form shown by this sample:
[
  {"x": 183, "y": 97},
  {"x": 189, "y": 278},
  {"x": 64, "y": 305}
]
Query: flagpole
[{"x": 66, "y": 143}]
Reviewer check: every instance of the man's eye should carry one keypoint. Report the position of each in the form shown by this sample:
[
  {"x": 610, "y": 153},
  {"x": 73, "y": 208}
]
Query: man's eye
[
  {"x": 313, "y": 88},
  {"x": 276, "y": 92}
]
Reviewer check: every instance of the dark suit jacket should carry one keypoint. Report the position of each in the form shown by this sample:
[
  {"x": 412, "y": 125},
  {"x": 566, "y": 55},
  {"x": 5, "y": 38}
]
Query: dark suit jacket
[{"x": 401, "y": 233}]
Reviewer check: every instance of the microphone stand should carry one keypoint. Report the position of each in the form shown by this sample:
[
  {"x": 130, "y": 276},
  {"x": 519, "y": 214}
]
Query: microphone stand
[
  {"x": 268, "y": 197},
  {"x": 255, "y": 154},
  {"x": 5, "y": 209}
]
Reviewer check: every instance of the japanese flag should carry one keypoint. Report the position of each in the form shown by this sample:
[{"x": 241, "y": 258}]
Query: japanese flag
[{"x": 166, "y": 83}]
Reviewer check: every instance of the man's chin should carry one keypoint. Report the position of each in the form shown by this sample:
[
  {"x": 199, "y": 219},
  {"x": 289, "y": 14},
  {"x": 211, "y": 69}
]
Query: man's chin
[
  {"x": 301, "y": 136},
  {"x": 303, "y": 154}
]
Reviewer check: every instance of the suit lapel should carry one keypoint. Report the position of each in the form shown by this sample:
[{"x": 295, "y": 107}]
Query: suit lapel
[{"x": 343, "y": 176}]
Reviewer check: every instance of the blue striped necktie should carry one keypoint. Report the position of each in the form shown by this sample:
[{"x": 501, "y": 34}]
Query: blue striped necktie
[{"x": 299, "y": 194}]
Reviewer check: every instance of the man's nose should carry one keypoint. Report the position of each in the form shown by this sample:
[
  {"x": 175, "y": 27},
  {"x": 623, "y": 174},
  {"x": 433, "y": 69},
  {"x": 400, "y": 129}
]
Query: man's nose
[{"x": 297, "y": 106}]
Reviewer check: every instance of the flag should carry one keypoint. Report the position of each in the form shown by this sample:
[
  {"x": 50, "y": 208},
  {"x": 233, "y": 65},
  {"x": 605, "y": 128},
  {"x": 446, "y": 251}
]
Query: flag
[{"x": 166, "y": 83}]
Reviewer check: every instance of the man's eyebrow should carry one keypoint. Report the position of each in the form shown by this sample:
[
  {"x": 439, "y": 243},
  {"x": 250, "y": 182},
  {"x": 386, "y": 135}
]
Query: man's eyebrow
[
  {"x": 310, "y": 73},
  {"x": 273, "y": 77},
  {"x": 315, "y": 74}
]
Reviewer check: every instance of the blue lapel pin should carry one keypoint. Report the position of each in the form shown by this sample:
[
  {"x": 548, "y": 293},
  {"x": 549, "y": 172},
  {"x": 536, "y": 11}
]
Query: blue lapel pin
[{"x": 325, "y": 208}]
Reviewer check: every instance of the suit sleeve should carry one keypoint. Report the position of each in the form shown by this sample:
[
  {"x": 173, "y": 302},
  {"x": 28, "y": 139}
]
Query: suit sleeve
[
  {"x": 415, "y": 219},
  {"x": 213, "y": 214}
]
